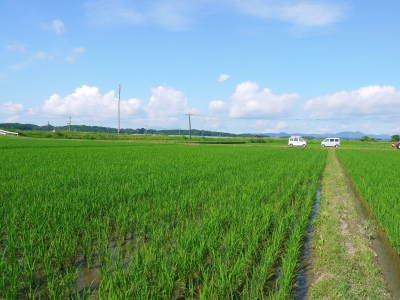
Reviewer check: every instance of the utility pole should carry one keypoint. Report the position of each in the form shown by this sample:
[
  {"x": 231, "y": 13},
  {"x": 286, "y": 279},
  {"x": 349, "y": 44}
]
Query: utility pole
[
  {"x": 119, "y": 108},
  {"x": 190, "y": 125},
  {"x": 69, "y": 123}
]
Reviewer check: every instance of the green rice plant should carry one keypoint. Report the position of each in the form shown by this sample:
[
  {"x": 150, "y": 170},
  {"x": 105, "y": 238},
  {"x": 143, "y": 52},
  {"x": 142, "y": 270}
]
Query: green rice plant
[
  {"x": 375, "y": 174},
  {"x": 140, "y": 220}
]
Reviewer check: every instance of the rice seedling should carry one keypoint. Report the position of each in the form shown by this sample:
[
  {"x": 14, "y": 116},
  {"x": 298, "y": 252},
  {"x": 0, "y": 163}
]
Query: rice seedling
[
  {"x": 85, "y": 218},
  {"x": 375, "y": 173}
]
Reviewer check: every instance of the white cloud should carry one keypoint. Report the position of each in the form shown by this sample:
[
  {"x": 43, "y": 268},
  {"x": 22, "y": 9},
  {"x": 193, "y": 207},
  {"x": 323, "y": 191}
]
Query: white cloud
[
  {"x": 267, "y": 126},
  {"x": 88, "y": 101},
  {"x": 10, "y": 108},
  {"x": 165, "y": 103},
  {"x": 41, "y": 55},
  {"x": 217, "y": 106},
  {"x": 313, "y": 13},
  {"x": 56, "y": 26},
  {"x": 75, "y": 54},
  {"x": 304, "y": 13},
  {"x": 15, "y": 48},
  {"x": 165, "y": 106},
  {"x": 223, "y": 77},
  {"x": 11, "y": 119},
  {"x": 171, "y": 14},
  {"x": 113, "y": 12},
  {"x": 249, "y": 102},
  {"x": 364, "y": 101},
  {"x": 18, "y": 66},
  {"x": 181, "y": 15}
]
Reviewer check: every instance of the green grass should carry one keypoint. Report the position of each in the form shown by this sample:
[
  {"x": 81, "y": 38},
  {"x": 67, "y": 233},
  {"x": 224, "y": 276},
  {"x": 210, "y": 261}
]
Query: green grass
[
  {"x": 139, "y": 137},
  {"x": 376, "y": 176},
  {"x": 254, "y": 141},
  {"x": 344, "y": 265},
  {"x": 152, "y": 220},
  {"x": 365, "y": 145}
]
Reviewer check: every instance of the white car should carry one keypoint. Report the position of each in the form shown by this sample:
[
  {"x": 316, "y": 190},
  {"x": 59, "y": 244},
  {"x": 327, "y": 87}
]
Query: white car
[
  {"x": 297, "y": 141},
  {"x": 331, "y": 142}
]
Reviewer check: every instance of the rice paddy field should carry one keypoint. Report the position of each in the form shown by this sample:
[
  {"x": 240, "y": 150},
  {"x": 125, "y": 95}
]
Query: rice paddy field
[
  {"x": 376, "y": 176},
  {"x": 131, "y": 220}
]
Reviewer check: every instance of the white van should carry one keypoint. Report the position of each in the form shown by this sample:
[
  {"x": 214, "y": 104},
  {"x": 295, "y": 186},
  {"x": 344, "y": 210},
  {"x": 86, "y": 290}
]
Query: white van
[
  {"x": 331, "y": 142},
  {"x": 297, "y": 141}
]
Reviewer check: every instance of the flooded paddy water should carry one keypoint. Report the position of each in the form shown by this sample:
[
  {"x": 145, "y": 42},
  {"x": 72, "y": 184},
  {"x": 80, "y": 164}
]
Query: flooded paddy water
[
  {"x": 302, "y": 281},
  {"x": 89, "y": 277}
]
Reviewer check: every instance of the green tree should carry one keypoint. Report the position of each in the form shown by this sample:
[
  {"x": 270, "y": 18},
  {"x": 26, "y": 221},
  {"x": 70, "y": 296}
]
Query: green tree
[
  {"x": 366, "y": 139},
  {"x": 395, "y": 138}
]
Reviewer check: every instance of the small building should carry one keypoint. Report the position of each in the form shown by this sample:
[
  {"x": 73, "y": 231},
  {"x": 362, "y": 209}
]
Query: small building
[{"x": 3, "y": 132}]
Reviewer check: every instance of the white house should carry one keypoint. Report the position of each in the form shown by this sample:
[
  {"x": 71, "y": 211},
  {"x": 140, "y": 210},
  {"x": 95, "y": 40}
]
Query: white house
[{"x": 3, "y": 132}]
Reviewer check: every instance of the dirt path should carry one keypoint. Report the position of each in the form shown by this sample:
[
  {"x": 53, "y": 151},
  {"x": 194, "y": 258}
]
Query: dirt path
[{"x": 344, "y": 266}]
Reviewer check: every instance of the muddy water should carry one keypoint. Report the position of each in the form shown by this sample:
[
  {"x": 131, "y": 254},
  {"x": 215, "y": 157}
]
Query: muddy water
[
  {"x": 302, "y": 281},
  {"x": 88, "y": 280},
  {"x": 386, "y": 255}
]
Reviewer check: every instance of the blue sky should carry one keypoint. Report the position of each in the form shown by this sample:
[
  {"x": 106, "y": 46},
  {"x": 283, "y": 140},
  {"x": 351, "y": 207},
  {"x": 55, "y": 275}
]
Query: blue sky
[{"x": 241, "y": 66}]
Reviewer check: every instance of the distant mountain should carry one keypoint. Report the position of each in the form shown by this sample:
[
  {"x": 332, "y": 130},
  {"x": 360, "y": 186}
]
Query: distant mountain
[{"x": 343, "y": 135}]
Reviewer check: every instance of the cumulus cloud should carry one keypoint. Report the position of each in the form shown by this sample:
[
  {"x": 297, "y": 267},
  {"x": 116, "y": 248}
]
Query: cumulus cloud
[
  {"x": 249, "y": 101},
  {"x": 10, "y": 108},
  {"x": 223, "y": 77},
  {"x": 75, "y": 54},
  {"x": 166, "y": 102},
  {"x": 217, "y": 106},
  {"x": 364, "y": 101},
  {"x": 56, "y": 26},
  {"x": 89, "y": 102}
]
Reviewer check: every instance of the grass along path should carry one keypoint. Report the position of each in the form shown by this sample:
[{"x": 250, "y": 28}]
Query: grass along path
[{"x": 343, "y": 265}]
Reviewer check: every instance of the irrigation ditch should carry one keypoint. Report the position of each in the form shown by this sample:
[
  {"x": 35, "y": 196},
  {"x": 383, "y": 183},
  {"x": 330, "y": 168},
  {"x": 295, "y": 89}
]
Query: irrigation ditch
[
  {"x": 386, "y": 255},
  {"x": 303, "y": 278}
]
